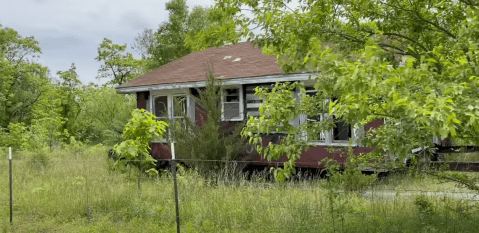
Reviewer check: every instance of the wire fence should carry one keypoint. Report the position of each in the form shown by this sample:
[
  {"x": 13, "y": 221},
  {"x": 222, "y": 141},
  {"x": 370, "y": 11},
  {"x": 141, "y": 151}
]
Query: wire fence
[{"x": 93, "y": 189}]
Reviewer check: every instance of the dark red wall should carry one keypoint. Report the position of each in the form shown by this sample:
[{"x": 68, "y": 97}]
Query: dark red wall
[
  {"x": 312, "y": 157},
  {"x": 373, "y": 124},
  {"x": 141, "y": 98},
  {"x": 200, "y": 115},
  {"x": 160, "y": 150},
  {"x": 309, "y": 158}
]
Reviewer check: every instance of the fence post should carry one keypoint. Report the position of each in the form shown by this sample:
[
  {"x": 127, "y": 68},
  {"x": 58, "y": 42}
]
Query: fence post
[
  {"x": 173, "y": 156},
  {"x": 11, "y": 185}
]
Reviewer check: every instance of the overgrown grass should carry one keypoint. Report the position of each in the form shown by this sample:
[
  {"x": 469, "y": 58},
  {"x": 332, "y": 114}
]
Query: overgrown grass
[
  {"x": 80, "y": 192},
  {"x": 467, "y": 157}
]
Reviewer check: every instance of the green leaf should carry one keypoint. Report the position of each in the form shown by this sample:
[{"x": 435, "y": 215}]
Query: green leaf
[
  {"x": 152, "y": 172},
  {"x": 330, "y": 107}
]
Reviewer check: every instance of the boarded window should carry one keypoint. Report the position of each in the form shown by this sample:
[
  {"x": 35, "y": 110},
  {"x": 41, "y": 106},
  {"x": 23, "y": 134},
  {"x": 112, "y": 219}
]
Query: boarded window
[{"x": 252, "y": 101}]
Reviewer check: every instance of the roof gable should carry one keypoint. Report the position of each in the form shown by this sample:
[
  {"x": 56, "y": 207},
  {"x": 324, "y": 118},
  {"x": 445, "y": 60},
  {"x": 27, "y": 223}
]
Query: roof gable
[{"x": 231, "y": 61}]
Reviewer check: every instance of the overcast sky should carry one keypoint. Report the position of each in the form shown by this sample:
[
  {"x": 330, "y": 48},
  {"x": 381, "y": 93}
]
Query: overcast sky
[{"x": 70, "y": 31}]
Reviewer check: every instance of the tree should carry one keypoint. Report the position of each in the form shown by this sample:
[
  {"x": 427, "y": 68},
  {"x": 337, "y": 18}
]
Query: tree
[
  {"x": 22, "y": 81},
  {"x": 70, "y": 98},
  {"x": 213, "y": 143},
  {"x": 413, "y": 63},
  {"x": 118, "y": 67},
  {"x": 140, "y": 130},
  {"x": 49, "y": 111},
  {"x": 168, "y": 42},
  {"x": 104, "y": 115},
  {"x": 143, "y": 41}
]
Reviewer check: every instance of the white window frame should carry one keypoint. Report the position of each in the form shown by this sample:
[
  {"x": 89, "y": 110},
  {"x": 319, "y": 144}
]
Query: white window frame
[
  {"x": 258, "y": 101},
  {"x": 152, "y": 106},
  {"x": 241, "y": 103},
  {"x": 171, "y": 103},
  {"x": 328, "y": 135},
  {"x": 170, "y": 96}
]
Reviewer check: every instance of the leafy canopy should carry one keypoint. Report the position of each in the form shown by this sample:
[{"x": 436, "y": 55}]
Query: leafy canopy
[
  {"x": 119, "y": 67},
  {"x": 413, "y": 63},
  {"x": 38, "y": 110},
  {"x": 169, "y": 41},
  {"x": 22, "y": 81}
]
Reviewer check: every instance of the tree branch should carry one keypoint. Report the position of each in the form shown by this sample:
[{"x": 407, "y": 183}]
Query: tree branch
[
  {"x": 436, "y": 25},
  {"x": 407, "y": 38},
  {"x": 419, "y": 16}
]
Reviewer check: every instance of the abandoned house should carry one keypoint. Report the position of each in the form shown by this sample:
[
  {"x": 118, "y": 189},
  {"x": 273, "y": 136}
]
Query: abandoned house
[{"x": 241, "y": 67}]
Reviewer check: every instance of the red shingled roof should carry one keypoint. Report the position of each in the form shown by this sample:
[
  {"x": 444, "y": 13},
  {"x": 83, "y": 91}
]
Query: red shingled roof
[{"x": 231, "y": 61}]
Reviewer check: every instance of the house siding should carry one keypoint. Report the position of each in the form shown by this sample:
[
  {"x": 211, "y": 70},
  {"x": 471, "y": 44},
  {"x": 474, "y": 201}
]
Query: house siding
[
  {"x": 309, "y": 159},
  {"x": 373, "y": 124},
  {"x": 160, "y": 150}
]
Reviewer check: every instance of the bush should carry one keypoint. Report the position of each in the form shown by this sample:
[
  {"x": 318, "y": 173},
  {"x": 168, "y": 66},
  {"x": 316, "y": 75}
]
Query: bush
[
  {"x": 350, "y": 179},
  {"x": 213, "y": 141},
  {"x": 15, "y": 136}
]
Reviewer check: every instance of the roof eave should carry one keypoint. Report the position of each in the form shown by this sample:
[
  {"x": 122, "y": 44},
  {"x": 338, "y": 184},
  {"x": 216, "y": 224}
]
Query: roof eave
[{"x": 226, "y": 82}]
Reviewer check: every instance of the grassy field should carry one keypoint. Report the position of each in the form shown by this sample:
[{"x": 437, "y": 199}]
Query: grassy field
[
  {"x": 468, "y": 157},
  {"x": 78, "y": 191}
]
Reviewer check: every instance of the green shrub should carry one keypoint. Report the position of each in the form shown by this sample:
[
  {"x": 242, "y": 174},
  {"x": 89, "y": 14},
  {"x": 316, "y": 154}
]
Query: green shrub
[
  {"x": 424, "y": 206},
  {"x": 213, "y": 141},
  {"x": 350, "y": 179}
]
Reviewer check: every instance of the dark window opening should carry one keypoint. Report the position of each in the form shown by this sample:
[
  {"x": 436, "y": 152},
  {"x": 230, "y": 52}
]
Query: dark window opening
[
  {"x": 161, "y": 107},
  {"x": 341, "y": 131},
  {"x": 179, "y": 106}
]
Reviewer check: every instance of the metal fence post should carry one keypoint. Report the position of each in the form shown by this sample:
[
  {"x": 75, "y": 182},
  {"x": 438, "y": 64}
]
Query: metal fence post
[
  {"x": 11, "y": 183},
  {"x": 176, "y": 187}
]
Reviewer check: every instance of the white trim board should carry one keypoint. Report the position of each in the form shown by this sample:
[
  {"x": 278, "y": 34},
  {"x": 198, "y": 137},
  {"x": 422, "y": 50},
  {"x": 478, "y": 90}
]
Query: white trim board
[{"x": 232, "y": 81}]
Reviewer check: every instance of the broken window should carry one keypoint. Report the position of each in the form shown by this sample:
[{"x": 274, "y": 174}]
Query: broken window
[
  {"x": 174, "y": 107},
  {"x": 341, "y": 130},
  {"x": 310, "y": 91},
  {"x": 161, "y": 107},
  {"x": 179, "y": 108},
  {"x": 232, "y": 104}
]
